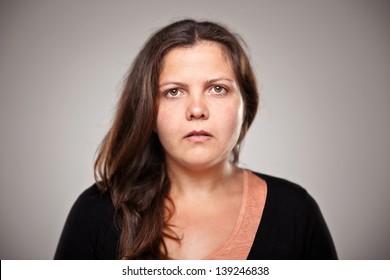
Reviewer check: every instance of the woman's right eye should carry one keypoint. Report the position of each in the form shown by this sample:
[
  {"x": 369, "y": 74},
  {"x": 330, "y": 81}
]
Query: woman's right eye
[{"x": 172, "y": 92}]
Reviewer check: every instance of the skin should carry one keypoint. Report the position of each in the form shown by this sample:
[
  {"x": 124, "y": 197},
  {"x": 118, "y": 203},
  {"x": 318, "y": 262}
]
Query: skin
[{"x": 199, "y": 120}]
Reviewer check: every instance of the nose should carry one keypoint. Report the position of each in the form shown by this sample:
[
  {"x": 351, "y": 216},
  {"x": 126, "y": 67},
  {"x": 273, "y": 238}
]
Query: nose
[{"x": 197, "y": 108}]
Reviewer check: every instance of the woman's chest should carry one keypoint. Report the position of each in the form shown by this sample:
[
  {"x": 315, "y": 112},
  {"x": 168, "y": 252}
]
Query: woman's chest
[{"x": 201, "y": 231}]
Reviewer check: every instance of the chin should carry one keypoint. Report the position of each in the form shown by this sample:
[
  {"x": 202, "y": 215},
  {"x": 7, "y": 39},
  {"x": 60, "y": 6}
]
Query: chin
[{"x": 202, "y": 163}]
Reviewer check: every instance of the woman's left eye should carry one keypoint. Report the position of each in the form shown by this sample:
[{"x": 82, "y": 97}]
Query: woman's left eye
[{"x": 218, "y": 90}]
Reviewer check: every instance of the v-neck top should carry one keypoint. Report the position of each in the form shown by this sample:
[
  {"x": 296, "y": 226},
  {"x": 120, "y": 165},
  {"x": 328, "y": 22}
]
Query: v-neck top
[{"x": 290, "y": 225}]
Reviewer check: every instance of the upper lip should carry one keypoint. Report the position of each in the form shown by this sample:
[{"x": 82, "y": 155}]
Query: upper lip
[{"x": 197, "y": 132}]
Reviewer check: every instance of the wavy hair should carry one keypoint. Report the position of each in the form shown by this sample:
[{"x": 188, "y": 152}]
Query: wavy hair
[{"x": 130, "y": 162}]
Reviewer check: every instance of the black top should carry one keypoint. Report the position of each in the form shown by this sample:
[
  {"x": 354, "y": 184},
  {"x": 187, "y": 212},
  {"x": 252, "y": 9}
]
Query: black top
[{"x": 291, "y": 227}]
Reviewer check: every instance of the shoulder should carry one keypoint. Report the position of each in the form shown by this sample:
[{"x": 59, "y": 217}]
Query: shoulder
[
  {"x": 89, "y": 232},
  {"x": 292, "y": 226},
  {"x": 92, "y": 202},
  {"x": 285, "y": 192},
  {"x": 90, "y": 209},
  {"x": 288, "y": 202},
  {"x": 93, "y": 196}
]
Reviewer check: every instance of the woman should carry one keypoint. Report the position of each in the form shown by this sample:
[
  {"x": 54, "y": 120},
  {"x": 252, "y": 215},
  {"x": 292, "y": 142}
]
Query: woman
[{"x": 168, "y": 185}]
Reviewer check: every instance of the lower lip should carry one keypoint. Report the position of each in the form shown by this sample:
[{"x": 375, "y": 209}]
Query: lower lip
[{"x": 198, "y": 138}]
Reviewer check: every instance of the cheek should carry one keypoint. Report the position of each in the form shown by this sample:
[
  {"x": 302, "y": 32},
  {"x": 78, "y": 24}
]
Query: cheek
[
  {"x": 236, "y": 123},
  {"x": 161, "y": 122},
  {"x": 231, "y": 122},
  {"x": 236, "y": 115},
  {"x": 165, "y": 123}
]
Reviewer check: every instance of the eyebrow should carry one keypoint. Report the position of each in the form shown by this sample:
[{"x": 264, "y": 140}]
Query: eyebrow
[
  {"x": 171, "y": 83},
  {"x": 212, "y": 81},
  {"x": 219, "y": 80}
]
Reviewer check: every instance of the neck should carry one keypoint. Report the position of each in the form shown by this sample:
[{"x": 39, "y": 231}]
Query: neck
[{"x": 201, "y": 181}]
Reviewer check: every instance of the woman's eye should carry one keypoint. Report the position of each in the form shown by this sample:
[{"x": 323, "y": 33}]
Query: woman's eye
[
  {"x": 218, "y": 90},
  {"x": 172, "y": 92}
]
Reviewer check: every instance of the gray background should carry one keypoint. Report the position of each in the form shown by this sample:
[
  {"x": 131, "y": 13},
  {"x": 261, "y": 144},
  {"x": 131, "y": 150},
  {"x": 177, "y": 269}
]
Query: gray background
[{"x": 323, "y": 69}]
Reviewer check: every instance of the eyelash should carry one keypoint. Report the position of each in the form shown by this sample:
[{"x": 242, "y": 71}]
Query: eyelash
[
  {"x": 167, "y": 93},
  {"x": 222, "y": 89},
  {"x": 179, "y": 92}
]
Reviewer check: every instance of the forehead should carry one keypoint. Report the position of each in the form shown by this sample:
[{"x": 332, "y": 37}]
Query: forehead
[
  {"x": 204, "y": 46},
  {"x": 204, "y": 55}
]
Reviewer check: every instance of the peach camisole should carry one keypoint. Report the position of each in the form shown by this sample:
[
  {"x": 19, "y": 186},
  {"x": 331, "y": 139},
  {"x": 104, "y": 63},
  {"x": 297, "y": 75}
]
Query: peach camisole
[{"x": 240, "y": 242}]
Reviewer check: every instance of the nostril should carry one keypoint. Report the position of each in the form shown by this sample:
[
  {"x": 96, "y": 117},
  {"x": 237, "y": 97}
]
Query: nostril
[{"x": 197, "y": 110}]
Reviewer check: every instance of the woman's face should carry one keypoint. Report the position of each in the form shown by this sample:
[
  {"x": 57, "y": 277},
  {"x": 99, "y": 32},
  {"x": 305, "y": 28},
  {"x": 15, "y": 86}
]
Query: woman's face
[{"x": 200, "y": 109}]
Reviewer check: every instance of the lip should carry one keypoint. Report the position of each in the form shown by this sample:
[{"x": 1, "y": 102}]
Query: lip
[{"x": 198, "y": 136}]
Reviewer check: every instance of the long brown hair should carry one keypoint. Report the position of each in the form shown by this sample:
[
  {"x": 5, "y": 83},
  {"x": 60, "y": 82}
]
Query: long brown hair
[{"x": 130, "y": 162}]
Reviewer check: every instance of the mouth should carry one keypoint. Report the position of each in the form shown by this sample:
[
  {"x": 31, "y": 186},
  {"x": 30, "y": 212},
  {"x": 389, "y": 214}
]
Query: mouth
[{"x": 198, "y": 136}]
